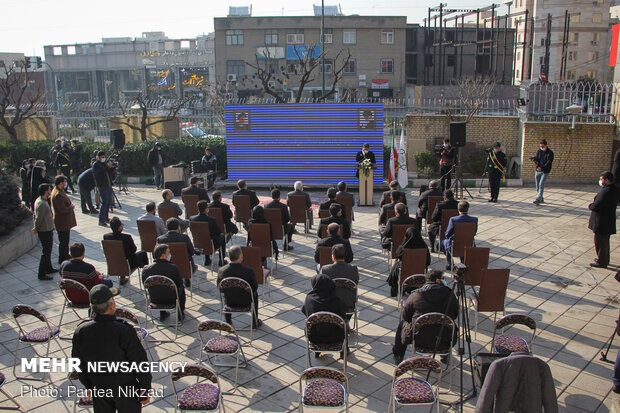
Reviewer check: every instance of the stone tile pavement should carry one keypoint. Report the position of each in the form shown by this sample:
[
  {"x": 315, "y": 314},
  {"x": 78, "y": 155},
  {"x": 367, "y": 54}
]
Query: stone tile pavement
[{"x": 547, "y": 248}]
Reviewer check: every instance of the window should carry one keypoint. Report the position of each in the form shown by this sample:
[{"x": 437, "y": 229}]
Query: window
[
  {"x": 597, "y": 17},
  {"x": 57, "y": 51},
  {"x": 349, "y": 36},
  {"x": 272, "y": 67},
  {"x": 517, "y": 74},
  {"x": 349, "y": 67},
  {"x": 185, "y": 44},
  {"x": 387, "y": 65},
  {"x": 591, "y": 74},
  {"x": 518, "y": 55},
  {"x": 295, "y": 38},
  {"x": 451, "y": 60},
  {"x": 99, "y": 49},
  {"x": 328, "y": 36},
  {"x": 234, "y": 37},
  {"x": 572, "y": 56},
  {"x": 169, "y": 45},
  {"x": 328, "y": 66},
  {"x": 541, "y": 60},
  {"x": 85, "y": 49},
  {"x": 542, "y": 41},
  {"x": 573, "y": 37},
  {"x": 593, "y": 56},
  {"x": 154, "y": 46},
  {"x": 235, "y": 67},
  {"x": 570, "y": 75},
  {"x": 271, "y": 37},
  {"x": 387, "y": 36},
  {"x": 71, "y": 50},
  {"x": 575, "y": 17},
  {"x": 429, "y": 60},
  {"x": 292, "y": 67},
  {"x": 595, "y": 37}
]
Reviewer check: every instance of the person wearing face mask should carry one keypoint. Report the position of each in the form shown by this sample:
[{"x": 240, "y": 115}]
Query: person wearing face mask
[
  {"x": 496, "y": 166},
  {"x": 543, "y": 161},
  {"x": 103, "y": 180},
  {"x": 167, "y": 202},
  {"x": 64, "y": 217},
  {"x": 446, "y": 164},
  {"x": 365, "y": 153},
  {"x": 603, "y": 218}
]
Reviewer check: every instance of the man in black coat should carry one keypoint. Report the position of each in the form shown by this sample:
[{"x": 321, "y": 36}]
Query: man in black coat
[
  {"x": 174, "y": 235},
  {"x": 496, "y": 166},
  {"x": 214, "y": 231},
  {"x": 335, "y": 211},
  {"x": 340, "y": 269},
  {"x": 365, "y": 153},
  {"x": 289, "y": 227},
  {"x": 331, "y": 240},
  {"x": 63, "y": 164},
  {"x": 243, "y": 190},
  {"x": 432, "y": 297},
  {"x": 543, "y": 161},
  {"x": 235, "y": 297},
  {"x": 433, "y": 190},
  {"x": 193, "y": 189},
  {"x": 227, "y": 214},
  {"x": 299, "y": 190},
  {"x": 86, "y": 183},
  {"x": 163, "y": 266},
  {"x": 603, "y": 218},
  {"x": 396, "y": 197},
  {"x": 157, "y": 162},
  {"x": 76, "y": 157},
  {"x": 109, "y": 339},
  {"x": 103, "y": 180},
  {"x": 331, "y": 199},
  {"x": 401, "y": 218},
  {"x": 435, "y": 225},
  {"x": 386, "y": 197},
  {"x": 134, "y": 257},
  {"x": 615, "y": 169},
  {"x": 342, "y": 189}
]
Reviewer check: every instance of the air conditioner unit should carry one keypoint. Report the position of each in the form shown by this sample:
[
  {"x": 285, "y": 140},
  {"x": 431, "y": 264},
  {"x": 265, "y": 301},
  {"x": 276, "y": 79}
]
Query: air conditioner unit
[
  {"x": 272, "y": 84},
  {"x": 594, "y": 42},
  {"x": 231, "y": 77}
]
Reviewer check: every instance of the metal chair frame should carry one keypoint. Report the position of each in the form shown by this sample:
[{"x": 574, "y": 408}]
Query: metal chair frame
[
  {"x": 63, "y": 285},
  {"x": 511, "y": 320},
  {"x": 345, "y": 283},
  {"x": 198, "y": 237},
  {"x": 410, "y": 365},
  {"x": 299, "y": 201},
  {"x": 149, "y": 306},
  {"x": 222, "y": 286},
  {"x": 474, "y": 301},
  {"x": 265, "y": 276},
  {"x": 10, "y": 397},
  {"x": 73, "y": 377},
  {"x": 118, "y": 246},
  {"x": 314, "y": 373},
  {"x": 413, "y": 282},
  {"x": 198, "y": 371},
  {"x": 341, "y": 323},
  {"x": 125, "y": 314}
]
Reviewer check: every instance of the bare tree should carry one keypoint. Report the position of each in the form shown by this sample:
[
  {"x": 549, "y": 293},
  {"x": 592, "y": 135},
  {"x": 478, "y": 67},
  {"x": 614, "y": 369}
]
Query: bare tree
[
  {"x": 265, "y": 74},
  {"x": 472, "y": 95},
  {"x": 139, "y": 103},
  {"x": 18, "y": 97},
  {"x": 217, "y": 98}
]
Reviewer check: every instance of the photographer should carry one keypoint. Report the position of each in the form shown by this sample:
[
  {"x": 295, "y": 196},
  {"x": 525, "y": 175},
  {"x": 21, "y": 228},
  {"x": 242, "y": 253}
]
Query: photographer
[
  {"x": 543, "y": 161},
  {"x": 447, "y": 160},
  {"x": 103, "y": 181},
  {"x": 496, "y": 166}
]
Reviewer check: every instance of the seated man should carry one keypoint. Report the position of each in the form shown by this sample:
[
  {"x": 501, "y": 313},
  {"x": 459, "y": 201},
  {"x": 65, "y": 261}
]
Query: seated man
[
  {"x": 163, "y": 266},
  {"x": 386, "y": 197},
  {"x": 227, "y": 214},
  {"x": 423, "y": 201},
  {"x": 193, "y": 189},
  {"x": 335, "y": 211},
  {"x": 168, "y": 196},
  {"x": 289, "y": 227},
  {"x": 401, "y": 218},
  {"x": 160, "y": 226},
  {"x": 342, "y": 189},
  {"x": 435, "y": 225},
  {"x": 299, "y": 190},
  {"x": 214, "y": 230},
  {"x": 234, "y": 297},
  {"x": 76, "y": 269},
  {"x": 174, "y": 235},
  {"x": 463, "y": 216},
  {"x": 331, "y": 240},
  {"x": 135, "y": 259},
  {"x": 331, "y": 199},
  {"x": 243, "y": 190},
  {"x": 396, "y": 196},
  {"x": 340, "y": 269},
  {"x": 432, "y": 297}
]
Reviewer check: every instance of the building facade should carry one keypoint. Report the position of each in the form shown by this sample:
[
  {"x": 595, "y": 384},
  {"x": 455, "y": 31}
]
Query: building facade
[{"x": 376, "y": 68}]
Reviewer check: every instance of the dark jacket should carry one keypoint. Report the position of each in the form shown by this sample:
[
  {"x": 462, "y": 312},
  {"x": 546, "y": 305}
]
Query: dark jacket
[
  {"x": 423, "y": 201},
  {"x": 214, "y": 228},
  {"x": 323, "y": 297},
  {"x": 325, "y": 205},
  {"x": 397, "y": 220},
  {"x": 275, "y": 204},
  {"x": 81, "y": 272},
  {"x": 307, "y": 195},
  {"x": 236, "y": 297},
  {"x": 76, "y": 157},
  {"x": 386, "y": 198},
  {"x": 253, "y": 198},
  {"x": 330, "y": 241},
  {"x": 412, "y": 240},
  {"x": 258, "y": 217},
  {"x": 519, "y": 383},
  {"x": 447, "y": 204},
  {"x": 162, "y": 295},
  {"x": 346, "y": 226},
  {"x": 37, "y": 177},
  {"x": 129, "y": 246},
  {"x": 194, "y": 190},
  {"x": 383, "y": 214},
  {"x": 173, "y": 236},
  {"x": 86, "y": 180},
  {"x": 499, "y": 166},
  {"x": 226, "y": 215},
  {"x": 544, "y": 159},
  {"x": 429, "y": 298},
  {"x": 64, "y": 216},
  {"x": 107, "y": 338},
  {"x": 341, "y": 269},
  {"x": 101, "y": 172},
  {"x": 615, "y": 169},
  {"x": 153, "y": 157},
  {"x": 359, "y": 157},
  {"x": 603, "y": 215}
]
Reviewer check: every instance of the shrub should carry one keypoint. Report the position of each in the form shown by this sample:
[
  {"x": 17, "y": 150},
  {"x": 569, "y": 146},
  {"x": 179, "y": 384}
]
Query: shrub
[
  {"x": 476, "y": 163},
  {"x": 426, "y": 172},
  {"x": 12, "y": 212},
  {"x": 424, "y": 160}
]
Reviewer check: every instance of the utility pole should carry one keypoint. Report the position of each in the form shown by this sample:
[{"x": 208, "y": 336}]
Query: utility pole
[
  {"x": 323, "y": 46},
  {"x": 547, "y": 47}
]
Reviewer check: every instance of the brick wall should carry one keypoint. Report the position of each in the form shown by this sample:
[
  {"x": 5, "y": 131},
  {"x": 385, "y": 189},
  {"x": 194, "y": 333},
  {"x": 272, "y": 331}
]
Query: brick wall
[
  {"x": 34, "y": 129},
  {"x": 581, "y": 154}
]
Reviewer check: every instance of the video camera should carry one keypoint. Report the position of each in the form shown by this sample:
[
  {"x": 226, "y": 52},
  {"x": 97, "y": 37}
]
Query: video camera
[{"x": 460, "y": 271}]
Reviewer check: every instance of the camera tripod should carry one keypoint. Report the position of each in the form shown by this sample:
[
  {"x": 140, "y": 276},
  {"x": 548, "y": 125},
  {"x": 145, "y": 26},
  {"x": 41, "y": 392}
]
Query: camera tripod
[
  {"x": 457, "y": 185},
  {"x": 604, "y": 354}
]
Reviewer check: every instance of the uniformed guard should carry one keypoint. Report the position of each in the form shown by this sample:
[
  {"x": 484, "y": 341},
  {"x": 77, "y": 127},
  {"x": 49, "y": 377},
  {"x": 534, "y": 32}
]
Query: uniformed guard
[{"x": 496, "y": 166}]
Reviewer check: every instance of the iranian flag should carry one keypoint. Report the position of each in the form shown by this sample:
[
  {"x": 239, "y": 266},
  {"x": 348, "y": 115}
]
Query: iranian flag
[
  {"x": 393, "y": 158},
  {"x": 402, "y": 175}
]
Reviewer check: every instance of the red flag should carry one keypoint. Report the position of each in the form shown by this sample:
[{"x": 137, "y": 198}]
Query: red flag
[{"x": 613, "y": 52}]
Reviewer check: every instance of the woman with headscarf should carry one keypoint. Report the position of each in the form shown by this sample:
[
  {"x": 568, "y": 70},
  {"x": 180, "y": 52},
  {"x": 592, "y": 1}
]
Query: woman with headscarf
[
  {"x": 412, "y": 240},
  {"x": 258, "y": 217},
  {"x": 323, "y": 297},
  {"x": 23, "y": 174}
]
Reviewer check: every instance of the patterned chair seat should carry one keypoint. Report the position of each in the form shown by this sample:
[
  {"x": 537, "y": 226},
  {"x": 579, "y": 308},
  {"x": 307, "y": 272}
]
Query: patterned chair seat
[
  {"x": 230, "y": 309},
  {"x": 510, "y": 343},
  {"x": 85, "y": 401},
  {"x": 200, "y": 396},
  {"x": 323, "y": 392},
  {"x": 170, "y": 306},
  {"x": 428, "y": 350},
  {"x": 413, "y": 390},
  {"x": 222, "y": 344},
  {"x": 40, "y": 335},
  {"x": 141, "y": 333},
  {"x": 325, "y": 346}
]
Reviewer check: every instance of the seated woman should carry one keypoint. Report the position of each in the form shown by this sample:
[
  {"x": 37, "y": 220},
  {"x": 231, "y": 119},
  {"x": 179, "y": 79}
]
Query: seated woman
[
  {"x": 412, "y": 240},
  {"x": 258, "y": 217}
]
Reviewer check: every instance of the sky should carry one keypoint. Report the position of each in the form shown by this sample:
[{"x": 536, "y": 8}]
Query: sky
[{"x": 45, "y": 22}]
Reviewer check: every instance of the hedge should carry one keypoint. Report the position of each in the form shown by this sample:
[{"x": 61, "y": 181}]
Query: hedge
[{"x": 12, "y": 212}]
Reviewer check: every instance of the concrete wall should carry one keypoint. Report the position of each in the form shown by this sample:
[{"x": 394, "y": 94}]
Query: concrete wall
[
  {"x": 168, "y": 129},
  {"x": 34, "y": 129}
]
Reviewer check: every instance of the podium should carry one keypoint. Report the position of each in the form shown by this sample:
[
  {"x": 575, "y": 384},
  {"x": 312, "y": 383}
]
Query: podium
[{"x": 366, "y": 189}]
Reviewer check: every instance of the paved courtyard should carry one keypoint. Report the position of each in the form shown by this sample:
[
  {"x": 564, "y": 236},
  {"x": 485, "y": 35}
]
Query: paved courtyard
[{"x": 547, "y": 249}]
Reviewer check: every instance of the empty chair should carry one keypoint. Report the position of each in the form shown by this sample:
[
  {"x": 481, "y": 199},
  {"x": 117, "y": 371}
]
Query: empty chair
[
  {"x": 464, "y": 233},
  {"x": 274, "y": 216},
  {"x": 142, "y": 333},
  {"x": 345, "y": 287},
  {"x": 433, "y": 200},
  {"x": 160, "y": 283},
  {"x": 83, "y": 402},
  {"x": 190, "y": 202},
  {"x": 477, "y": 260},
  {"x": 180, "y": 258},
  {"x": 166, "y": 213},
  {"x": 200, "y": 396},
  {"x": 324, "y": 319},
  {"x": 201, "y": 236},
  {"x": 148, "y": 235},
  {"x": 260, "y": 236},
  {"x": 431, "y": 324},
  {"x": 68, "y": 284},
  {"x": 243, "y": 211},
  {"x": 347, "y": 201},
  {"x": 324, "y": 387},
  {"x": 299, "y": 211},
  {"x": 511, "y": 343},
  {"x": 225, "y": 343},
  {"x": 252, "y": 258},
  {"x": 492, "y": 295},
  {"x": 413, "y": 391},
  {"x": 117, "y": 263},
  {"x": 232, "y": 284}
]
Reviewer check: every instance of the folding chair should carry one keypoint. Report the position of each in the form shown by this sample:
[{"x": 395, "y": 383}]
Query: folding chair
[
  {"x": 398, "y": 236},
  {"x": 346, "y": 287},
  {"x": 326, "y": 318},
  {"x": 228, "y": 345},
  {"x": 237, "y": 285},
  {"x": 324, "y": 213},
  {"x": 347, "y": 201},
  {"x": 446, "y": 214},
  {"x": 243, "y": 212},
  {"x": 191, "y": 205},
  {"x": 412, "y": 391},
  {"x": 40, "y": 335},
  {"x": 412, "y": 262},
  {"x": 219, "y": 217},
  {"x": 464, "y": 233},
  {"x": 117, "y": 263},
  {"x": 492, "y": 295},
  {"x": 325, "y": 256},
  {"x": 200, "y": 396},
  {"x": 434, "y": 321},
  {"x": 10, "y": 397},
  {"x": 68, "y": 284},
  {"x": 252, "y": 258},
  {"x": 324, "y": 231},
  {"x": 511, "y": 343},
  {"x": 201, "y": 235},
  {"x": 84, "y": 402},
  {"x": 142, "y": 333},
  {"x": 160, "y": 283},
  {"x": 411, "y": 283},
  {"x": 148, "y": 235},
  {"x": 274, "y": 217},
  {"x": 180, "y": 258},
  {"x": 260, "y": 237},
  {"x": 477, "y": 260},
  {"x": 166, "y": 213},
  {"x": 432, "y": 203},
  {"x": 324, "y": 387},
  {"x": 299, "y": 211}
]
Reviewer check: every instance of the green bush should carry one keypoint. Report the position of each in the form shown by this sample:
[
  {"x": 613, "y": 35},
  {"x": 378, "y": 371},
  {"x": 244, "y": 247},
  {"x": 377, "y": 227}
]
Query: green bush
[
  {"x": 426, "y": 172},
  {"x": 424, "y": 160},
  {"x": 12, "y": 212},
  {"x": 476, "y": 163}
]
